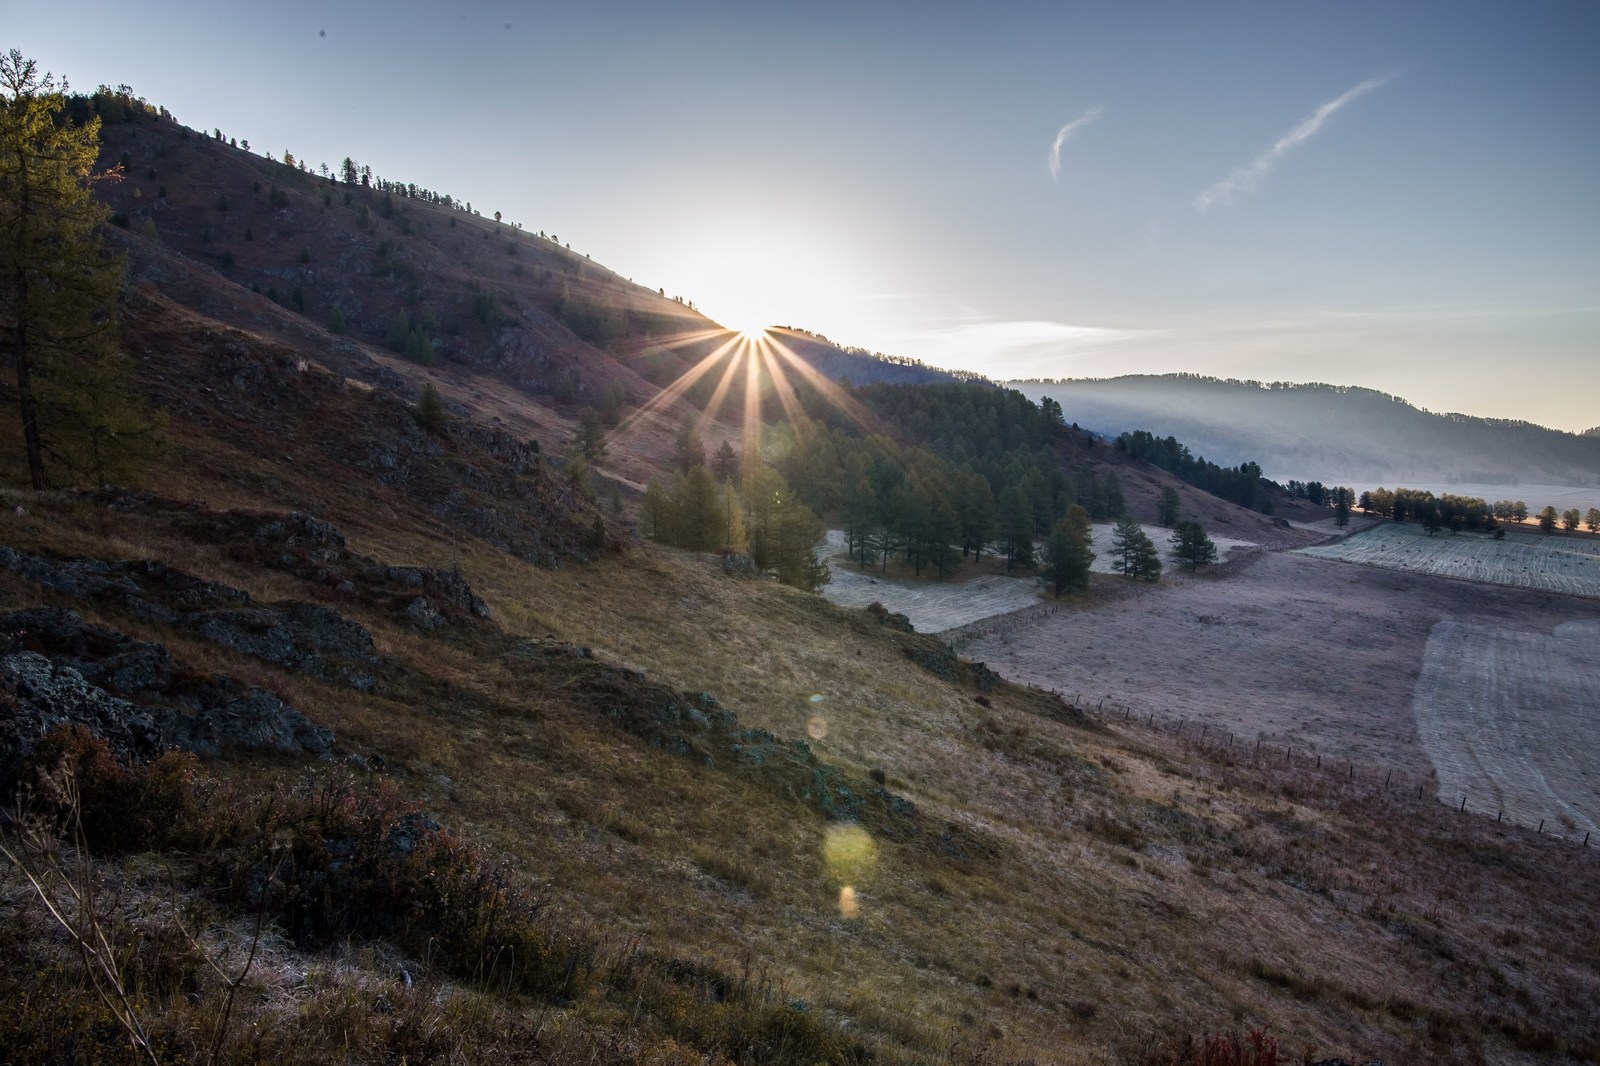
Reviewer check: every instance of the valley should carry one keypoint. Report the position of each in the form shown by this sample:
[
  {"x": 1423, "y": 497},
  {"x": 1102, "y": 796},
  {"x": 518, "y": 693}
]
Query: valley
[
  {"x": 1480, "y": 692},
  {"x": 392, "y": 710}
]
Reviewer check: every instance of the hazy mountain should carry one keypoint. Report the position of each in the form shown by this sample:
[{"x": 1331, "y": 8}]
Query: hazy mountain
[{"x": 1324, "y": 432}]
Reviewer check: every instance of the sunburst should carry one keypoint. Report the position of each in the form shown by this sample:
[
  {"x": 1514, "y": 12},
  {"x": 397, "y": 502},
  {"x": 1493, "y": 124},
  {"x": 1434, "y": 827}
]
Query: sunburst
[{"x": 756, "y": 352}]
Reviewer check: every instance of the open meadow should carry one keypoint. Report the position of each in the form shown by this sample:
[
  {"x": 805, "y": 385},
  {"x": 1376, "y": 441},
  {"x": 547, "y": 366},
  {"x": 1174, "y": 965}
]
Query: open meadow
[
  {"x": 1552, "y": 562},
  {"x": 1492, "y": 688},
  {"x": 941, "y": 606},
  {"x": 1508, "y": 717}
]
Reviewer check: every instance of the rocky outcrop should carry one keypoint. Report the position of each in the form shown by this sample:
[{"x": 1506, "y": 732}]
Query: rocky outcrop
[
  {"x": 307, "y": 638},
  {"x": 56, "y": 669},
  {"x": 39, "y": 695},
  {"x": 315, "y": 551}
]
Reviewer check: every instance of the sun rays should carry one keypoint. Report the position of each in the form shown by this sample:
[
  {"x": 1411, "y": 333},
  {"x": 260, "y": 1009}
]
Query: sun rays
[{"x": 766, "y": 362}]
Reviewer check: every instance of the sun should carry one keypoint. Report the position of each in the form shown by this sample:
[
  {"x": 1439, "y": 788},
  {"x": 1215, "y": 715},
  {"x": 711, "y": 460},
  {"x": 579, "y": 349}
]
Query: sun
[{"x": 749, "y": 325}]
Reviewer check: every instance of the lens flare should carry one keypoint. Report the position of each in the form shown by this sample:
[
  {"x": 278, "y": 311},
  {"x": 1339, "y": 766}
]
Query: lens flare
[
  {"x": 817, "y": 727},
  {"x": 849, "y": 906},
  {"x": 851, "y": 854}
]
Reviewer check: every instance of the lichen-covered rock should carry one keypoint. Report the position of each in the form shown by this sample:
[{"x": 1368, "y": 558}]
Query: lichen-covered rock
[
  {"x": 308, "y": 638},
  {"x": 38, "y": 695},
  {"x": 59, "y": 669}
]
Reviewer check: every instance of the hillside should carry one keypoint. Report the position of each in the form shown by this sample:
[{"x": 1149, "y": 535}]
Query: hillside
[
  {"x": 1328, "y": 433},
  {"x": 399, "y": 746},
  {"x": 387, "y": 283}
]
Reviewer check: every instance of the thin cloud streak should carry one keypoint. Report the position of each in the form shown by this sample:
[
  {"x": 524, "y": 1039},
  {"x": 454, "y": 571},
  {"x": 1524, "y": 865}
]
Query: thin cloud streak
[
  {"x": 1247, "y": 179},
  {"x": 1064, "y": 134}
]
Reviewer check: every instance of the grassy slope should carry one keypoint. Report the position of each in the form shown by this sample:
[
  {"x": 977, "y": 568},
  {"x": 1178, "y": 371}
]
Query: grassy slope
[
  {"x": 1110, "y": 885},
  {"x": 1069, "y": 890}
]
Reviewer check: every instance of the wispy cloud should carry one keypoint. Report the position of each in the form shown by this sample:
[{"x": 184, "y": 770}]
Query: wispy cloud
[
  {"x": 1248, "y": 178},
  {"x": 1019, "y": 347},
  {"x": 1064, "y": 134}
]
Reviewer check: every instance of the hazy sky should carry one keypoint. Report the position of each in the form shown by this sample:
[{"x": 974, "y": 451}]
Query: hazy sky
[{"x": 1404, "y": 196}]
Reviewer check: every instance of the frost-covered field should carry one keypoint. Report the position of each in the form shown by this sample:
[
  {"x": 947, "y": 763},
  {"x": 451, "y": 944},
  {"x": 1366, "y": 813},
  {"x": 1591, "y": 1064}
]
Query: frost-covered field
[
  {"x": 936, "y": 606},
  {"x": 1550, "y": 562},
  {"x": 1508, "y": 718},
  {"x": 1105, "y": 533},
  {"x": 932, "y": 606}
]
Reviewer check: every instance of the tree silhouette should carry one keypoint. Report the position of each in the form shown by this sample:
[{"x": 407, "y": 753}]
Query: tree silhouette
[
  {"x": 1068, "y": 552},
  {"x": 1168, "y": 507},
  {"x": 59, "y": 290}
]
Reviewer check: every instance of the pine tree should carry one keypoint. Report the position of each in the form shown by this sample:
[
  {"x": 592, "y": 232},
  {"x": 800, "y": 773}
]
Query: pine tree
[
  {"x": 1168, "y": 507},
  {"x": 1134, "y": 553},
  {"x": 429, "y": 412},
  {"x": 1191, "y": 545},
  {"x": 725, "y": 463},
  {"x": 58, "y": 293},
  {"x": 1068, "y": 552},
  {"x": 691, "y": 450},
  {"x": 590, "y": 436}
]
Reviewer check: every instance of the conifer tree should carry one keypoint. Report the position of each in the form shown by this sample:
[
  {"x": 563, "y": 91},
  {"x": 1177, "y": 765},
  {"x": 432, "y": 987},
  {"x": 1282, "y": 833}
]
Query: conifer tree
[
  {"x": 1134, "y": 553},
  {"x": 1168, "y": 509},
  {"x": 1068, "y": 552},
  {"x": 429, "y": 412},
  {"x": 590, "y": 436},
  {"x": 1191, "y": 545},
  {"x": 59, "y": 290}
]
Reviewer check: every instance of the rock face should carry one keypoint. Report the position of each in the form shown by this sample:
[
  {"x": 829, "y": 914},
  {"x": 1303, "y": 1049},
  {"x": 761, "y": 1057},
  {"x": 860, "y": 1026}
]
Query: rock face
[
  {"x": 39, "y": 695},
  {"x": 56, "y": 669},
  {"x": 307, "y": 638},
  {"x": 315, "y": 551}
]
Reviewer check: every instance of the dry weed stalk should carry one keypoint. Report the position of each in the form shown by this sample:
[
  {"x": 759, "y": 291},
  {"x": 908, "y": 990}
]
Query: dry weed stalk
[{"x": 70, "y": 899}]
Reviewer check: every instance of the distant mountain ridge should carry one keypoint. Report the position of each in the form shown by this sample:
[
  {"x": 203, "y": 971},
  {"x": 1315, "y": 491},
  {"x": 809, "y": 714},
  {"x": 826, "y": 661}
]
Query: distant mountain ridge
[{"x": 1324, "y": 432}]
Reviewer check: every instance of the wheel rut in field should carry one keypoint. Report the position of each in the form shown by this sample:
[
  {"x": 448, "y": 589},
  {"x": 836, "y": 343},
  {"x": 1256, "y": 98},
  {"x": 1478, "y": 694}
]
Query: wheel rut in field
[{"x": 1511, "y": 720}]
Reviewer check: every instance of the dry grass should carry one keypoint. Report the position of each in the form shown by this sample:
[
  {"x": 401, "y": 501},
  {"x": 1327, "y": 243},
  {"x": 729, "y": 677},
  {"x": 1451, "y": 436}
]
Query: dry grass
[{"x": 1122, "y": 884}]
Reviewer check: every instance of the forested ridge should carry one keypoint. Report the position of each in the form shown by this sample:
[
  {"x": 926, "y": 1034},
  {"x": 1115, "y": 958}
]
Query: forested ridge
[
  {"x": 1345, "y": 432},
  {"x": 1240, "y": 484}
]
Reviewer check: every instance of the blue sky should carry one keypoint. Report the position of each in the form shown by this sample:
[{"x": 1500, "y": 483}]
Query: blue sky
[{"x": 1398, "y": 196}]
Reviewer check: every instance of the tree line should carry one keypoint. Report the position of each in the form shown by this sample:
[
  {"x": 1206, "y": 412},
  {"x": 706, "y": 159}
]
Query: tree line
[
  {"x": 941, "y": 473},
  {"x": 1240, "y": 484},
  {"x": 1469, "y": 513}
]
